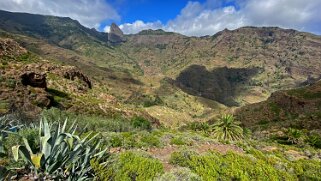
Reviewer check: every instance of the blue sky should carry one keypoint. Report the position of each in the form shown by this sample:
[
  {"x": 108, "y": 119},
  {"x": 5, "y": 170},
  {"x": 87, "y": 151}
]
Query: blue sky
[
  {"x": 149, "y": 10},
  {"x": 192, "y": 18},
  {"x": 154, "y": 10}
]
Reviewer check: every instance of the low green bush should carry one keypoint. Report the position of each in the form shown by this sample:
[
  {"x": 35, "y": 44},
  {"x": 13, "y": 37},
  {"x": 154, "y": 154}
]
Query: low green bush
[
  {"x": 314, "y": 140},
  {"x": 141, "y": 123},
  {"x": 232, "y": 166},
  {"x": 128, "y": 166},
  {"x": 31, "y": 135},
  {"x": 179, "y": 174},
  {"x": 132, "y": 139},
  {"x": 197, "y": 126},
  {"x": 177, "y": 141},
  {"x": 99, "y": 124},
  {"x": 149, "y": 139}
]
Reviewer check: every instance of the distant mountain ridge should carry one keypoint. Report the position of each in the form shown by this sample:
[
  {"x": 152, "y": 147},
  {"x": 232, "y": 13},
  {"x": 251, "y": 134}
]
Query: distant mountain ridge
[
  {"x": 163, "y": 69},
  {"x": 55, "y": 29}
]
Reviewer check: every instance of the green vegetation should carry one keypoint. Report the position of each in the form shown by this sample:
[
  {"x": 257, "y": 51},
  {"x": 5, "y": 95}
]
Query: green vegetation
[
  {"x": 177, "y": 141},
  {"x": 128, "y": 166},
  {"x": 134, "y": 153},
  {"x": 140, "y": 122},
  {"x": 59, "y": 153},
  {"x": 295, "y": 136},
  {"x": 306, "y": 94},
  {"x": 226, "y": 128},
  {"x": 233, "y": 166},
  {"x": 179, "y": 174},
  {"x": 314, "y": 140},
  {"x": 99, "y": 123},
  {"x": 197, "y": 126},
  {"x": 147, "y": 114},
  {"x": 275, "y": 108}
]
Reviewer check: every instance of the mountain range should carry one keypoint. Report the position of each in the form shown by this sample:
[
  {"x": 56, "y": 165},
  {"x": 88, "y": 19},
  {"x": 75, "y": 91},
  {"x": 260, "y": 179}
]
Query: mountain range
[{"x": 165, "y": 76}]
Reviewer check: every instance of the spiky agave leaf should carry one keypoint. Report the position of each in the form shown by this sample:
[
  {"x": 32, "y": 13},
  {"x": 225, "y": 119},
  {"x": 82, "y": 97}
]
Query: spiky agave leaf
[{"x": 61, "y": 151}]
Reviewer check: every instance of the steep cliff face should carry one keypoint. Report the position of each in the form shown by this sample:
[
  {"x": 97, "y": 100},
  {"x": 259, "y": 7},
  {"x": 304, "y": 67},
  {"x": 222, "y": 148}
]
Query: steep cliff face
[{"x": 115, "y": 35}]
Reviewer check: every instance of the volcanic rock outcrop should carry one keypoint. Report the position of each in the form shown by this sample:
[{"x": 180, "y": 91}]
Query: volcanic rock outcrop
[
  {"x": 34, "y": 79},
  {"x": 115, "y": 35}
]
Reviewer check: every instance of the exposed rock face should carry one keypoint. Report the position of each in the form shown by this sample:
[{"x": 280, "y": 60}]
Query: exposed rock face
[
  {"x": 72, "y": 73},
  {"x": 34, "y": 79},
  {"x": 115, "y": 35}
]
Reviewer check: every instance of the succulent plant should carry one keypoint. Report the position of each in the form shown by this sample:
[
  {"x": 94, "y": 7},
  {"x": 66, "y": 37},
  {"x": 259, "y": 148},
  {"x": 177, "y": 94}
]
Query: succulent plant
[{"x": 62, "y": 154}]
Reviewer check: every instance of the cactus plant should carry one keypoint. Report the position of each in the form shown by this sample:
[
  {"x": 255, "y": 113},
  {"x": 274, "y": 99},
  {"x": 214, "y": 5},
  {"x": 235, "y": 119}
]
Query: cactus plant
[{"x": 62, "y": 154}]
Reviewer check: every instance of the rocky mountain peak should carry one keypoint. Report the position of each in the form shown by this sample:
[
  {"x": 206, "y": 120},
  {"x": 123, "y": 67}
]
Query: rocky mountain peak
[
  {"x": 114, "y": 29},
  {"x": 115, "y": 35}
]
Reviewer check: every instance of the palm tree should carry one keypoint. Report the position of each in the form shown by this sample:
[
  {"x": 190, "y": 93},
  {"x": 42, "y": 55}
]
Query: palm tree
[{"x": 226, "y": 128}]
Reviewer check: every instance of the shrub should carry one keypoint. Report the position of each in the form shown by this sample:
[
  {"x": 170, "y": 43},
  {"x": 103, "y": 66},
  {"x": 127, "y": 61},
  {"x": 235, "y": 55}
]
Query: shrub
[
  {"x": 128, "y": 166},
  {"x": 295, "y": 136},
  {"x": 115, "y": 141},
  {"x": 30, "y": 134},
  {"x": 140, "y": 122},
  {"x": 307, "y": 169},
  {"x": 179, "y": 174},
  {"x": 132, "y": 139},
  {"x": 8, "y": 123},
  {"x": 314, "y": 140},
  {"x": 198, "y": 126},
  {"x": 177, "y": 141},
  {"x": 149, "y": 139},
  {"x": 91, "y": 123},
  {"x": 232, "y": 166}
]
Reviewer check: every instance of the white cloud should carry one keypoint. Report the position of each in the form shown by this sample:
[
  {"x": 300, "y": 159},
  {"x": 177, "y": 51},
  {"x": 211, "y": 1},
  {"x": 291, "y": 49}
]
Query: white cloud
[
  {"x": 207, "y": 18},
  {"x": 107, "y": 29},
  {"x": 195, "y": 18},
  {"x": 303, "y": 15},
  {"x": 205, "y": 22},
  {"x": 139, "y": 25},
  {"x": 88, "y": 12}
]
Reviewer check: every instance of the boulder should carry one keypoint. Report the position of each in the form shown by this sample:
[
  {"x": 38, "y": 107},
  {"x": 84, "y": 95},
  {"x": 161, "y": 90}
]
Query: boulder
[
  {"x": 72, "y": 73},
  {"x": 34, "y": 79}
]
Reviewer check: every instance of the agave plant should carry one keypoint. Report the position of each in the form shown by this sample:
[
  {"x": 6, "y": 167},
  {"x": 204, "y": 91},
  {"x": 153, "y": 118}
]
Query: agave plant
[
  {"x": 62, "y": 154},
  {"x": 226, "y": 128}
]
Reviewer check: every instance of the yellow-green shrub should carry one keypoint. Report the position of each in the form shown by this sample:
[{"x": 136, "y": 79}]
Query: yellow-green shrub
[
  {"x": 128, "y": 166},
  {"x": 232, "y": 166}
]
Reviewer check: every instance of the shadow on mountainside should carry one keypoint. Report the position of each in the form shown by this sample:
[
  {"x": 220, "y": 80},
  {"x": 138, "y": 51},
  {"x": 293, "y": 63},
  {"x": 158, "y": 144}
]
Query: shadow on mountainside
[{"x": 220, "y": 84}]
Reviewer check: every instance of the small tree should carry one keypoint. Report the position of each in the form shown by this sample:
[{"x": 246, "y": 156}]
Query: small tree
[{"x": 226, "y": 128}]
